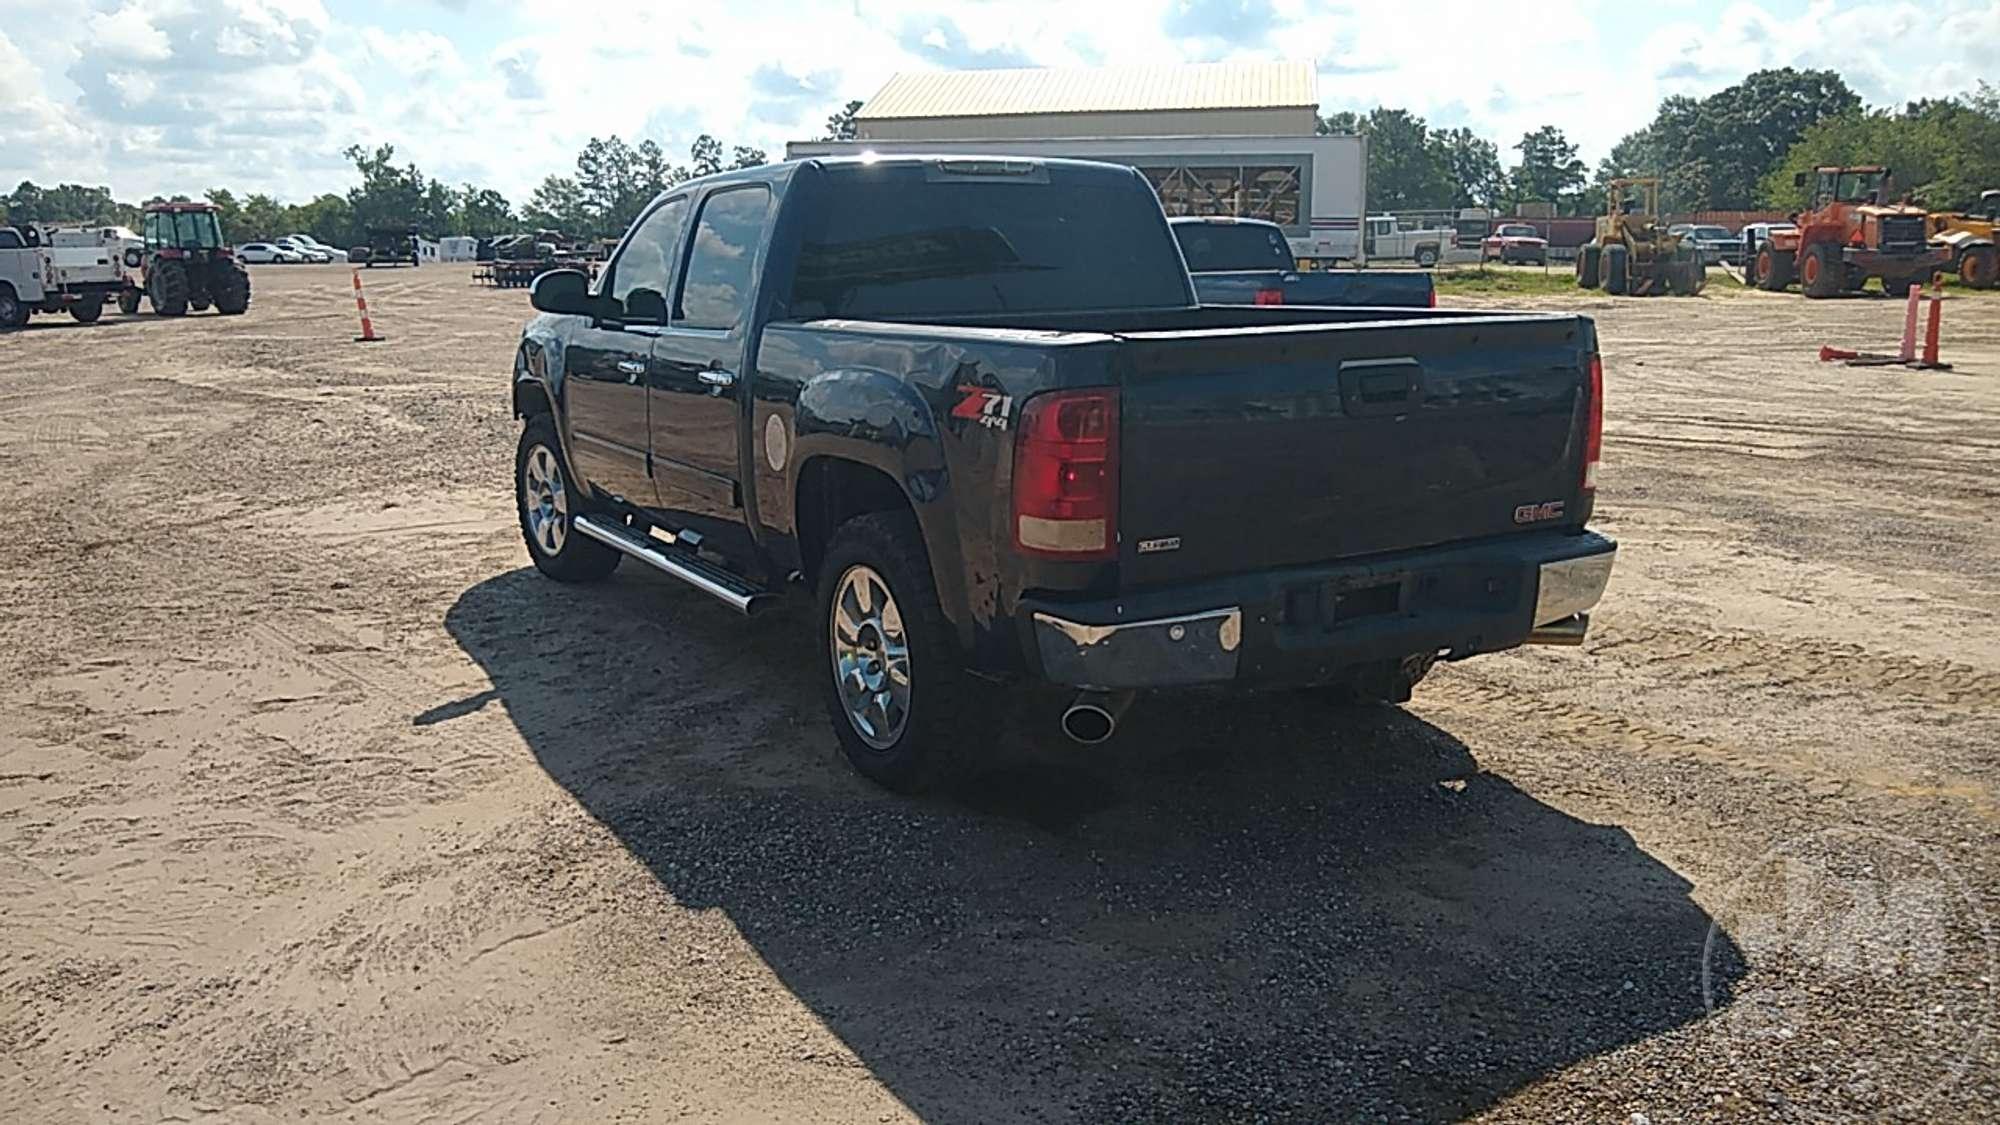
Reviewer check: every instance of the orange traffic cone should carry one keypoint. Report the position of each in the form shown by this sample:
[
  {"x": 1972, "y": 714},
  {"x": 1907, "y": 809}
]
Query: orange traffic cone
[
  {"x": 1930, "y": 360},
  {"x": 368, "y": 335}
]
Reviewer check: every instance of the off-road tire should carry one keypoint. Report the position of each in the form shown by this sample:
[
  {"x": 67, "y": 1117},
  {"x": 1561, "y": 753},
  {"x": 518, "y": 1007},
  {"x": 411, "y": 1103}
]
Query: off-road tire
[
  {"x": 167, "y": 289},
  {"x": 1822, "y": 273},
  {"x": 231, "y": 289},
  {"x": 1774, "y": 269},
  {"x": 128, "y": 300},
  {"x": 1616, "y": 262},
  {"x": 1979, "y": 267},
  {"x": 13, "y": 313},
  {"x": 87, "y": 310},
  {"x": 1687, "y": 278},
  {"x": 572, "y": 556},
  {"x": 1586, "y": 266},
  {"x": 941, "y": 733}
]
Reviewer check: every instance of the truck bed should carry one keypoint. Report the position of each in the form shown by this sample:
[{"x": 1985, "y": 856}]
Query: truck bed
[{"x": 1261, "y": 437}]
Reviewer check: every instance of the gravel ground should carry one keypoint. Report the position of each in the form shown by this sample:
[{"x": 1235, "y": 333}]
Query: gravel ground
[{"x": 317, "y": 803}]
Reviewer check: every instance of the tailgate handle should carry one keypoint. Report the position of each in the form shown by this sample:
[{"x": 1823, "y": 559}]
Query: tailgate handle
[{"x": 1379, "y": 386}]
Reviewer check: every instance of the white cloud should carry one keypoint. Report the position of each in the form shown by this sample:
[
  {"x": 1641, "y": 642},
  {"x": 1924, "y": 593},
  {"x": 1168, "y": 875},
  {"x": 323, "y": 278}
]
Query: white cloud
[{"x": 262, "y": 95}]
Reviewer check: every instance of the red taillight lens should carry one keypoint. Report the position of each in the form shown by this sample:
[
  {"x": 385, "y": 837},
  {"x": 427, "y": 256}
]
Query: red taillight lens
[
  {"x": 1270, "y": 297},
  {"x": 1434, "y": 296},
  {"x": 1066, "y": 475},
  {"x": 1593, "y": 425}
]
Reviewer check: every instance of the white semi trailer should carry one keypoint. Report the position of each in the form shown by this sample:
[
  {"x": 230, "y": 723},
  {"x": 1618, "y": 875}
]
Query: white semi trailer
[{"x": 1315, "y": 188}]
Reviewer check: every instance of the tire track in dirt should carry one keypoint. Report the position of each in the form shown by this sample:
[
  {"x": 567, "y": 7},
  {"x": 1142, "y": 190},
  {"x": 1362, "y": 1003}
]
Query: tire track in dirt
[
  {"x": 1616, "y": 735},
  {"x": 1755, "y": 660}
]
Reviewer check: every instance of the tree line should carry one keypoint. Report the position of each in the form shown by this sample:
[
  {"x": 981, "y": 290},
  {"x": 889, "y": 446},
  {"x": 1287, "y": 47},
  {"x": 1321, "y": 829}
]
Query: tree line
[
  {"x": 1736, "y": 149},
  {"x": 613, "y": 181}
]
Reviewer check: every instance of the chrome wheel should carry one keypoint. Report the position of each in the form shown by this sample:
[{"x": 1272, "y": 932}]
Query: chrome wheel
[
  {"x": 871, "y": 657},
  {"x": 545, "y": 501}
]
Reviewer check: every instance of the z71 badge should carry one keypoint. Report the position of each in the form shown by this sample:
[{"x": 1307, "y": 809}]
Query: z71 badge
[
  {"x": 990, "y": 408},
  {"x": 1539, "y": 513}
]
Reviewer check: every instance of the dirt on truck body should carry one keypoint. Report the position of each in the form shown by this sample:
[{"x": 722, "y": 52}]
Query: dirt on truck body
[{"x": 317, "y": 803}]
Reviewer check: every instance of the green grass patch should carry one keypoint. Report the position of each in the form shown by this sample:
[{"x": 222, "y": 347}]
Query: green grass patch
[{"x": 1527, "y": 281}]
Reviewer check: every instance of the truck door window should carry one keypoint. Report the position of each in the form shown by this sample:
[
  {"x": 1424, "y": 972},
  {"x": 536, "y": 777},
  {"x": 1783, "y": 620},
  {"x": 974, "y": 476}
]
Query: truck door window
[
  {"x": 721, "y": 270},
  {"x": 646, "y": 265}
]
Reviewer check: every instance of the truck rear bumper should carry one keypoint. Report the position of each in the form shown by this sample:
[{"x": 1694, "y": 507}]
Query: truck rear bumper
[{"x": 1311, "y": 624}]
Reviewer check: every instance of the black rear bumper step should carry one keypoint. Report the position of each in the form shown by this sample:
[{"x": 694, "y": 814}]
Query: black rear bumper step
[{"x": 739, "y": 594}]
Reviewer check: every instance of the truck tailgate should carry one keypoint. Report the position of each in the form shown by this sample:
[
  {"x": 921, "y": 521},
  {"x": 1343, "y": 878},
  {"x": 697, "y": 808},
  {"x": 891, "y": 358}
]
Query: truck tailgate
[
  {"x": 1411, "y": 289},
  {"x": 1249, "y": 448}
]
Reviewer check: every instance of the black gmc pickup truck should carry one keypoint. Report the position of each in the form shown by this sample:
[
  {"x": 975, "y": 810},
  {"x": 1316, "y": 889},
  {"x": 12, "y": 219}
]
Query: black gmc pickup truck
[{"x": 973, "y": 408}]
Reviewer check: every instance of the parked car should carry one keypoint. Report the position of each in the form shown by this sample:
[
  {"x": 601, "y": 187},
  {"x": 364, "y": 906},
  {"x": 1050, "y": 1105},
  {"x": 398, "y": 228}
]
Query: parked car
[
  {"x": 308, "y": 242},
  {"x": 1249, "y": 262},
  {"x": 1715, "y": 243},
  {"x": 267, "y": 253},
  {"x": 971, "y": 410},
  {"x": 1515, "y": 242},
  {"x": 1754, "y": 236},
  {"x": 306, "y": 252}
]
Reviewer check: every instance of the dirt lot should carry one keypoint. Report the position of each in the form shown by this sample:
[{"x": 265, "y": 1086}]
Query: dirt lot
[{"x": 317, "y": 803}]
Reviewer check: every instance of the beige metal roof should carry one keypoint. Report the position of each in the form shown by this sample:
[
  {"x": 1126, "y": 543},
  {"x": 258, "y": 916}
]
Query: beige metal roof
[{"x": 992, "y": 93}]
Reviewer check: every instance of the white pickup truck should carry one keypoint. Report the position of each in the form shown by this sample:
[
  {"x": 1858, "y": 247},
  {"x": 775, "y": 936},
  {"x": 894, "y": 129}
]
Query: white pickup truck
[
  {"x": 1383, "y": 240},
  {"x": 36, "y": 276}
]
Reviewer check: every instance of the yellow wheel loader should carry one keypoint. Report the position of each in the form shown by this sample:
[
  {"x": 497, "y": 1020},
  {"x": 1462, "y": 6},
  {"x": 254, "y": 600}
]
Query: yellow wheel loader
[{"x": 1632, "y": 254}]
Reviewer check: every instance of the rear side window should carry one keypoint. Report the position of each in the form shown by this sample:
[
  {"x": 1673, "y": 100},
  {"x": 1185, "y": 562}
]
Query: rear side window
[
  {"x": 908, "y": 241},
  {"x": 1210, "y": 247},
  {"x": 646, "y": 265},
  {"x": 721, "y": 270}
]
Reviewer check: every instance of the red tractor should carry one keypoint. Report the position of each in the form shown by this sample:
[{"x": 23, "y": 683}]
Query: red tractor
[
  {"x": 1849, "y": 233},
  {"x": 186, "y": 264}
]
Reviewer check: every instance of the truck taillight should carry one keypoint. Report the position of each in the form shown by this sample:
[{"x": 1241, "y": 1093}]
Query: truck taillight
[
  {"x": 1066, "y": 475},
  {"x": 1270, "y": 297},
  {"x": 1593, "y": 425}
]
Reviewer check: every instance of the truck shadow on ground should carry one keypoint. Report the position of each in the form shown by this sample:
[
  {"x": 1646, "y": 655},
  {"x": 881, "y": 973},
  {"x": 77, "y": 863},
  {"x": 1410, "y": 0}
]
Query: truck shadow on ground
[{"x": 1246, "y": 909}]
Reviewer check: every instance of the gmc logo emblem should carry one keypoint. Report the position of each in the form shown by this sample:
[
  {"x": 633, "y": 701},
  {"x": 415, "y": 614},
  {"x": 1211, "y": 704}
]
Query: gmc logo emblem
[{"x": 1539, "y": 513}]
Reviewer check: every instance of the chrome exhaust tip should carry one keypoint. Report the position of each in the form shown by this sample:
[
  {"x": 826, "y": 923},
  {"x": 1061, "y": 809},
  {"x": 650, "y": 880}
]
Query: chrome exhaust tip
[
  {"x": 1568, "y": 631},
  {"x": 1093, "y": 717}
]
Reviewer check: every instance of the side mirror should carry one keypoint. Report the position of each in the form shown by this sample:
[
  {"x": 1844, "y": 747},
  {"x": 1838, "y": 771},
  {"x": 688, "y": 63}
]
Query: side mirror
[
  {"x": 1798, "y": 179},
  {"x": 563, "y": 291},
  {"x": 644, "y": 306}
]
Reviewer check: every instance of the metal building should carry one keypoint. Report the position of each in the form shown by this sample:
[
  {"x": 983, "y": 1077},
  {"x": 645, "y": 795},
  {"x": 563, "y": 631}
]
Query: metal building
[
  {"x": 1213, "y": 139},
  {"x": 1273, "y": 99}
]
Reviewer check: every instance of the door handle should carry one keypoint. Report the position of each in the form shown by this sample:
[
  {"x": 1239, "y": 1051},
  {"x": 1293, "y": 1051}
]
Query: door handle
[
  {"x": 717, "y": 378},
  {"x": 632, "y": 366}
]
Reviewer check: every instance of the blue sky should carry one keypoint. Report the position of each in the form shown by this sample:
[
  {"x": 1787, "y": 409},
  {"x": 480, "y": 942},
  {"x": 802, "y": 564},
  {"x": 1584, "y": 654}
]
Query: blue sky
[{"x": 182, "y": 95}]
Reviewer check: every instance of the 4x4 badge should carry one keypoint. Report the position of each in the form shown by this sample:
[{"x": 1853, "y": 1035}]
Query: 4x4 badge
[{"x": 990, "y": 408}]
